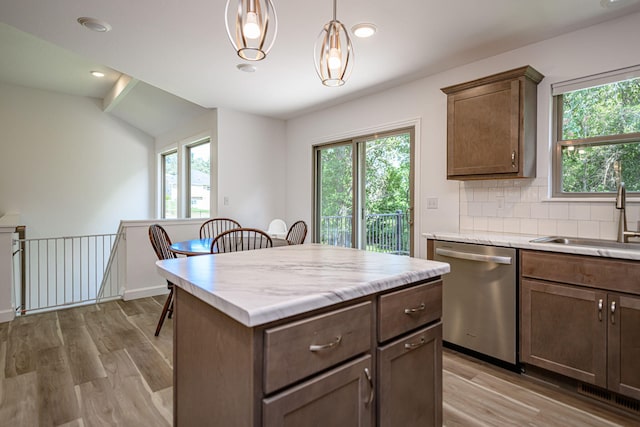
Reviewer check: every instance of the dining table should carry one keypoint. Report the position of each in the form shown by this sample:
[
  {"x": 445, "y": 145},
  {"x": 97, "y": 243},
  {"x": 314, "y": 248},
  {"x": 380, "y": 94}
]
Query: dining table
[{"x": 195, "y": 247}]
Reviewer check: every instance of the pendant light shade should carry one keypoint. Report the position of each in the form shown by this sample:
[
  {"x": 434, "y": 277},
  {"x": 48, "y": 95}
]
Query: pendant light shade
[
  {"x": 252, "y": 27},
  {"x": 333, "y": 53}
]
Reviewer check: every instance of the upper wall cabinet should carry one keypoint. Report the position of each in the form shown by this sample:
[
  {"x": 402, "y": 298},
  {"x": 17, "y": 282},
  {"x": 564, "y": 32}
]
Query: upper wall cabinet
[{"x": 491, "y": 126}]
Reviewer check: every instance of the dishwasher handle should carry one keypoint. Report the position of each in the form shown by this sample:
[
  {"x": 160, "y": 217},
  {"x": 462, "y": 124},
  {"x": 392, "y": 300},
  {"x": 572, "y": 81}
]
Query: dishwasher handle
[{"x": 474, "y": 257}]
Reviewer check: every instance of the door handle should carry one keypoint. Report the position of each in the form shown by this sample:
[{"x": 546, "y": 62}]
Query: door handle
[
  {"x": 600, "y": 309},
  {"x": 613, "y": 312},
  {"x": 371, "y": 389},
  {"x": 474, "y": 257}
]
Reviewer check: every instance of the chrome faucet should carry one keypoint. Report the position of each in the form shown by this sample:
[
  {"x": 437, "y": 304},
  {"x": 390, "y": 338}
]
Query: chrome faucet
[{"x": 621, "y": 203}]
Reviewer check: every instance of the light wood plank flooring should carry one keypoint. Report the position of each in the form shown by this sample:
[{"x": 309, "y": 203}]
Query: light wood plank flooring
[{"x": 100, "y": 365}]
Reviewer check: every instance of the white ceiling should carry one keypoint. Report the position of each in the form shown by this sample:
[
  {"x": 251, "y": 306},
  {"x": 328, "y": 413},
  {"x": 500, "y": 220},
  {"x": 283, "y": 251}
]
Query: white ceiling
[{"x": 179, "y": 50}]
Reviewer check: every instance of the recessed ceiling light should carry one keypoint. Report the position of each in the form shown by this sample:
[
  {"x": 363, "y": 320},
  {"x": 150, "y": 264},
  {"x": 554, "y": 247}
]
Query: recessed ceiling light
[
  {"x": 615, "y": 3},
  {"x": 97, "y": 74},
  {"x": 363, "y": 30},
  {"x": 94, "y": 24},
  {"x": 247, "y": 68}
]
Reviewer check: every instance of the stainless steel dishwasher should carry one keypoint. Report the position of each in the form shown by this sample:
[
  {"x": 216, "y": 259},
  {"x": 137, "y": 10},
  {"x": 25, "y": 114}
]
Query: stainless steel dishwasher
[{"x": 479, "y": 298}]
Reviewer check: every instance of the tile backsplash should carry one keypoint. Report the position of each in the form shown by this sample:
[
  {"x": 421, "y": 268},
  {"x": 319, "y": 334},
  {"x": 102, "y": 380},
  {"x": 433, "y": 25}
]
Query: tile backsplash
[{"x": 524, "y": 207}]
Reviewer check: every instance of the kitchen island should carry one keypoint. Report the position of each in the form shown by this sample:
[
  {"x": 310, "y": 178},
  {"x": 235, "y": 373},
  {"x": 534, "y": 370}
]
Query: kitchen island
[{"x": 306, "y": 335}]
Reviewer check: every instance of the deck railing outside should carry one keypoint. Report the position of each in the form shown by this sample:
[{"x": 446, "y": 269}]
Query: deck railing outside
[
  {"x": 63, "y": 271},
  {"x": 387, "y": 233}
]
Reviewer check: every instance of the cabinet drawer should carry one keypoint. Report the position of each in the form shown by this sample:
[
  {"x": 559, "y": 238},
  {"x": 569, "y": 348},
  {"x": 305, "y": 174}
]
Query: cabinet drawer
[
  {"x": 604, "y": 273},
  {"x": 402, "y": 311},
  {"x": 297, "y": 350}
]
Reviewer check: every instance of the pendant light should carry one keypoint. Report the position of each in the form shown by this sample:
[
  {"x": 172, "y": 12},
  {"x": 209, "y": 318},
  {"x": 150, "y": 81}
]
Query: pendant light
[
  {"x": 252, "y": 27},
  {"x": 333, "y": 53}
]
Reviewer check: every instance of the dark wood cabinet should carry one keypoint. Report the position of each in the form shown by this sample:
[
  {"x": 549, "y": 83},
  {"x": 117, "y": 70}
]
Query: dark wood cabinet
[
  {"x": 562, "y": 332},
  {"x": 344, "y": 365},
  {"x": 341, "y": 397},
  {"x": 491, "y": 126},
  {"x": 410, "y": 380},
  {"x": 624, "y": 344},
  {"x": 580, "y": 317}
]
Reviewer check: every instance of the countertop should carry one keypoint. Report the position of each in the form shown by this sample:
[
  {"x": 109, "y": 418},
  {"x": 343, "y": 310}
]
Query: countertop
[
  {"x": 261, "y": 286},
  {"x": 524, "y": 242}
]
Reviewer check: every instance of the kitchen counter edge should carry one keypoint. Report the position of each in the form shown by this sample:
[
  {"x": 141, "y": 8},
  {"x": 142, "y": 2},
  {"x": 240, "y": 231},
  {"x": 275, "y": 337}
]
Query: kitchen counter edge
[
  {"x": 252, "y": 314},
  {"x": 521, "y": 241}
]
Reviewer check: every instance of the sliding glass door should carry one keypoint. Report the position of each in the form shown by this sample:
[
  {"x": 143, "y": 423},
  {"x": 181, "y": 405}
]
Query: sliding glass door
[
  {"x": 364, "y": 193},
  {"x": 334, "y": 190}
]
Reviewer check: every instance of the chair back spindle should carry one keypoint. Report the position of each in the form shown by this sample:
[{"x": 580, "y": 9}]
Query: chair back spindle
[
  {"x": 241, "y": 239},
  {"x": 211, "y": 228}
]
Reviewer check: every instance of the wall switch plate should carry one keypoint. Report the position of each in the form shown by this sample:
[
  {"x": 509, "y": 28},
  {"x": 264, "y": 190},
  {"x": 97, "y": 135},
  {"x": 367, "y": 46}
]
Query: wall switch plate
[
  {"x": 432, "y": 203},
  {"x": 225, "y": 200}
]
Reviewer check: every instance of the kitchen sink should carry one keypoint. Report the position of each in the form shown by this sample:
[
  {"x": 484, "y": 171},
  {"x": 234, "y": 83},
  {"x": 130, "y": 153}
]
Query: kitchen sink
[{"x": 578, "y": 241}]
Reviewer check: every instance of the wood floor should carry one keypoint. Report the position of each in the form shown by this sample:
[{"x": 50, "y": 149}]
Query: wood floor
[{"x": 100, "y": 365}]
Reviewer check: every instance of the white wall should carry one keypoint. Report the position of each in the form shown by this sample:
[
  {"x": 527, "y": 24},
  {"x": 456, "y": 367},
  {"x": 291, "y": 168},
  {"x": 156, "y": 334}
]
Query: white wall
[
  {"x": 249, "y": 153},
  {"x": 141, "y": 278},
  {"x": 251, "y": 169},
  {"x": 69, "y": 168},
  {"x": 204, "y": 126},
  {"x": 600, "y": 48}
]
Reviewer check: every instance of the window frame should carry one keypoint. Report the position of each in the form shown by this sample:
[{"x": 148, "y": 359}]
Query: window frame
[
  {"x": 163, "y": 182},
  {"x": 358, "y": 144},
  {"x": 187, "y": 150},
  {"x": 557, "y": 91},
  {"x": 181, "y": 147}
]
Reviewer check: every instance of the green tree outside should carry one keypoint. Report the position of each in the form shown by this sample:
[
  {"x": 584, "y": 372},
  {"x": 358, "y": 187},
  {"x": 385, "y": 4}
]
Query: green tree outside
[{"x": 610, "y": 109}]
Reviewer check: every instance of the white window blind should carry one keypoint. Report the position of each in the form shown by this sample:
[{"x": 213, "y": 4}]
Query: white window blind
[{"x": 595, "y": 80}]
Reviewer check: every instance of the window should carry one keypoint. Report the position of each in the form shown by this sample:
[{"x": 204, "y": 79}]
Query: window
[
  {"x": 364, "y": 193},
  {"x": 187, "y": 185},
  {"x": 170, "y": 185},
  {"x": 199, "y": 180},
  {"x": 597, "y": 134}
]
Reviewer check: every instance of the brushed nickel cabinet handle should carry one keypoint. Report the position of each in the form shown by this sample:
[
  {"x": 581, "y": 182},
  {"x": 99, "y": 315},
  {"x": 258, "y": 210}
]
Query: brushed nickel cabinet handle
[
  {"x": 371, "y": 389},
  {"x": 320, "y": 347},
  {"x": 513, "y": 159},
  {"x": 411, "y": 346},
  {"x": 415, "y": 309},
  {"x": 600, "y": 309},
  {"x": 613, "y": 312}
]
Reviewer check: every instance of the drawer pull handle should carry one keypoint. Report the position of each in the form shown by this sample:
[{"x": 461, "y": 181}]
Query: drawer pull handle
[
  {"x": 414, "y": 310},
  {"x": 320, "y": 347},
  {"x": 371, "y": 389},
  {"x": 413, "y": 345}
]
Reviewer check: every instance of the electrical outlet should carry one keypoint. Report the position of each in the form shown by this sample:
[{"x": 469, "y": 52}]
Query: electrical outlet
[
  {"x": 432, "y": 203},
  {"x": 500, "y": 201},
  {"x": 225, "y": 200}
]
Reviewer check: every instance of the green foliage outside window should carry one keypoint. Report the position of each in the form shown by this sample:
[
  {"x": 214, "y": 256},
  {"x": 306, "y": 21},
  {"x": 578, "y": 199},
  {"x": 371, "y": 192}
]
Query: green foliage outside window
[{"x": 607, "y": 113}]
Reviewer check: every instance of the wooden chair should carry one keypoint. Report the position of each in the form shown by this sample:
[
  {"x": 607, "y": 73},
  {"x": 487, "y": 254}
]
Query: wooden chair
[
  {"x": 160, "y": 241},
  {"x": 241, "y": 239},
  {"x": 297, "y": 233},
  {"x": 215, "y": 226}
]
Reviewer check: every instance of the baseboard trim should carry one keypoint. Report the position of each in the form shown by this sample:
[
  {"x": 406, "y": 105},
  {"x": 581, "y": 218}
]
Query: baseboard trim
[
  {"x": 7, "y": 315},
  {"x": 145, "y": 292}
]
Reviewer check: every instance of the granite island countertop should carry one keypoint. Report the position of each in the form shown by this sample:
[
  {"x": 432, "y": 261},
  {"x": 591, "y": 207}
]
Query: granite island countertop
[
  {"x": 261, "y": 286},
  {"x": 521, "y": 241}
]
